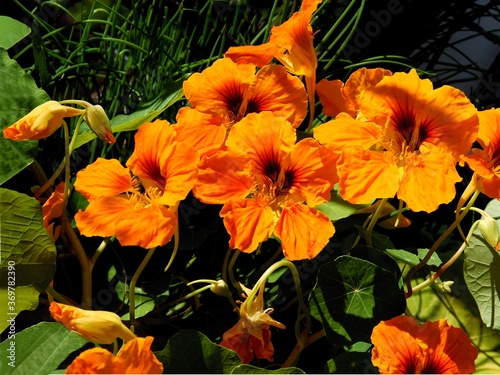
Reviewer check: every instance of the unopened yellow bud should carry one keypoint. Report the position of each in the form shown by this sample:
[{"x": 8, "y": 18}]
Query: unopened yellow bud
[
  {"x": 96, "y": 118},
  {"x": 101, "y": 327},
  {"x": 446, "y": 286}
]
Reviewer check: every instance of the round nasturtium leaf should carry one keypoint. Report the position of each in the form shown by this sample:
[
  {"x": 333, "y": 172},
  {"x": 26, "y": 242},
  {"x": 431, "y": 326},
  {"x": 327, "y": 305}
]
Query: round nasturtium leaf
[{"x": 352, "y": 296}]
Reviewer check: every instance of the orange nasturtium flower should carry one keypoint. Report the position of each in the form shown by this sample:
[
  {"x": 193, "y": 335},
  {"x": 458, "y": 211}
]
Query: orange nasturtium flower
[
  {"x": 251, "y": 336},
  {"x": 402, "y": 346},
  {"x": 41, "y": 122},
  {"x": 134, "y": 357},
  {"x": 291, "y": 43},
  {"x": 100, "y": 327},
  {"x": 226, "y": 92},
  {"x": 138, "y": 204},
  {"x": 485, "y": 162},
  {"x": 270, "y": 185},
  {"x": 406, "y": 140}
]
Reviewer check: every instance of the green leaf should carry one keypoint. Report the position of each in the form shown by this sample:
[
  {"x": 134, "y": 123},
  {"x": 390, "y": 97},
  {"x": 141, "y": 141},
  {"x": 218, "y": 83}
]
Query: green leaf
[
  {"x": 191, "y": 352},
  {"x": 434, "y": 260},
  {"x": 337, "y": 208},
  {"x": 403, "y": 256},
  {"x": 351, "y": 363},
  {"x": 11, "y": 32},
  {"x": 38, "y": 349},
  {"x": 27, "y": 252},
  {"x": 18, "y": 96},
  {"x": 147, "y": 111},
  {"x": 352, "y": 296},
  {"x": 482, "y": 276},
  {"x": 249, "y": 369}
]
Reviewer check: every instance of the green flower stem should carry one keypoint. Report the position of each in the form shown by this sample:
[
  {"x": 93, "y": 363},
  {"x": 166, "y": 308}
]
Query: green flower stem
[
  {"x": 176, "y": 247},
  {"x": 373, "y": 221},
  {"x": 84, "y": 263},
  {"x": 230, "y": 268},
  {"x": 436, "y": 244},
  {"x": 57, "y": 296},
  {"x": 133, "y": 282},
  {"x": 99, "y": 251},
  {"x": 65, "y": 161}
]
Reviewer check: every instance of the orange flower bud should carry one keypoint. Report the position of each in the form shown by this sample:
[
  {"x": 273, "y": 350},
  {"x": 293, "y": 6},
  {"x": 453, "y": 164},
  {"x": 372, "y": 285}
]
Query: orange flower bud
[
  {"x": 101, "y": 327},
  {"x": 40, "y": 122}
]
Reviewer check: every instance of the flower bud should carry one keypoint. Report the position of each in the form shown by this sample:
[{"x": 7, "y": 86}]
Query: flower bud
[
  {"x": 489, "y": 229},
  {"x": 220, "y": 288},
  {"x": 41, "y": 122},
  {"x": 98, "y": 121},
  {"x": 101, "y": 327}
]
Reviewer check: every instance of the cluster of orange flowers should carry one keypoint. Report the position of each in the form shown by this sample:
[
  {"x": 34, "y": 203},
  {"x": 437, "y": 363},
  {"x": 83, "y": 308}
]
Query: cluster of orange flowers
[{"x": 393, "y": 135}]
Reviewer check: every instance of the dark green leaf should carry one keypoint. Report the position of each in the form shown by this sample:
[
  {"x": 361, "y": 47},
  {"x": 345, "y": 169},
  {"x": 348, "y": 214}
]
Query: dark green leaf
[
  {"x": 248, "y": 369},
  {"x": 351, "y": 363},
  {"x": 191, "y": 352},
  {"x": 18, "y": 96},
  {"x": 351, "y": 296},
  {"x": 26, "y": 248},
  {"x": 39, "y": 349}
]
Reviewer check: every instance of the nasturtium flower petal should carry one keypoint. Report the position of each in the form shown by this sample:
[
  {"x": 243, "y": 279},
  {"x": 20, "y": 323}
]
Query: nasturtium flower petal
[
  {"x": 103, "y": 178},
  {"x": 303, "y": 231},
  {"x": 221, "y": 178},
  {"x": 275, "y": 90},
  {"x": 221, "y": 86},
  {"x": 367, "y": 175},
  {"x": 147, "y": 227},
  {"x": 95, "y": 361},
  {"x": 485, "y": 162},
  {"x": 402, "y": 346},
  {"x": 101, "y": 216},
  {"x": 137, "y": 358},
  {"x": 261, "y": 140},
  {"x": 134, "y": 357},
  {"x": 206, "y": 132},
  {"x": 428, "y": 181},
  {"x": 405, "y": 104},
  {"x": 337, "y": 97},
  {"x": 345, "y": 131},
  {"x": 248, "y": 221},
  {"x": 160, "y": 161},
  {"x": 311, "y": 170}
]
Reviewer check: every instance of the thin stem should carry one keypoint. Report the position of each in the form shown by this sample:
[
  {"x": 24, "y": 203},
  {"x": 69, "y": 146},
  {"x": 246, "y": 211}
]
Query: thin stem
[
  {"x": 84, "y": 263},
  {"x": 230, "y": 268},
  {"x": 438, "y": 242},
  {"x": 174, "y": 252},
  {"x": 373, "y": 221},
  {"x": 133, "y": 282},
  {"x": 99, "y": 251},
  {"x": 54, "y": 295}
]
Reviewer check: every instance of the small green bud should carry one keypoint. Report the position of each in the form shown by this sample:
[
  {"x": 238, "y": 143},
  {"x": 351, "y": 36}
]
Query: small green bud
[{"x": 220, "y": 288}]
